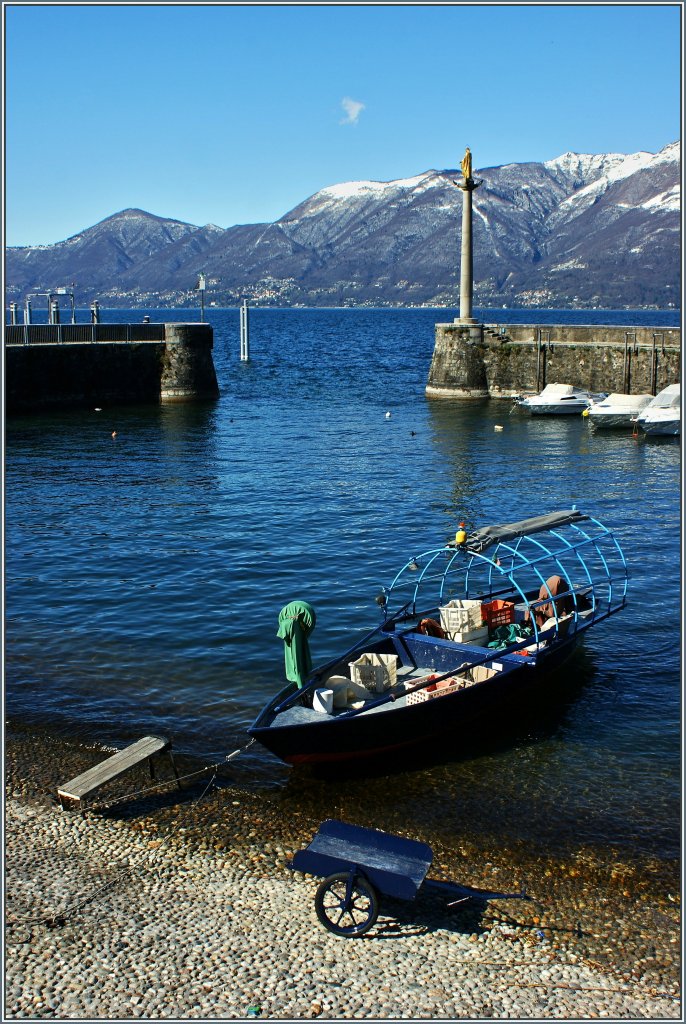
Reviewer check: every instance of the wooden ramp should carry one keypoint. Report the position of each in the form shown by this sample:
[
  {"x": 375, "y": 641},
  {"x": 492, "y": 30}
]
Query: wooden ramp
[{"x": 76, "y": 792}]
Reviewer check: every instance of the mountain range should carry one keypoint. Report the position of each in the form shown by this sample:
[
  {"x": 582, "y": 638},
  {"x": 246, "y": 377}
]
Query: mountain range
[{"x": 577, "y": 231}]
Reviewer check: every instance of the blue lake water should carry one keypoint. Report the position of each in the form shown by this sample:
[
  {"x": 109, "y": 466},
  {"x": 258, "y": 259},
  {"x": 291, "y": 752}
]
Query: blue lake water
[{"x": 145, "y": 573}]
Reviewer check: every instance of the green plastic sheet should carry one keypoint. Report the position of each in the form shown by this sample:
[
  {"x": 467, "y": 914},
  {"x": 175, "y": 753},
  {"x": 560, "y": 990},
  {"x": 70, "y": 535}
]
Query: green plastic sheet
[
  {"x": 296, "y": 622},
  {"x": 504, "y": 636}
]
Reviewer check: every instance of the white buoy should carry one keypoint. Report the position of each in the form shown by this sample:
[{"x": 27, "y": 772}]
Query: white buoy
[
  {"x": 497, "y": 427},
  {"x": 388, "y": 415}
]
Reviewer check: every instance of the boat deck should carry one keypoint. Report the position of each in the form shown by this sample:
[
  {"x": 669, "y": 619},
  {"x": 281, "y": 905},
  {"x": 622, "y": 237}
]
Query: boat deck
[{"x": 299, "y": 715}]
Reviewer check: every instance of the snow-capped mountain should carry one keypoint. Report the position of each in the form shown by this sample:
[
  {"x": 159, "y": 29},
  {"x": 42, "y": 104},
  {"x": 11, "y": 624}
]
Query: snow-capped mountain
[{"x": 600, "y": 230}]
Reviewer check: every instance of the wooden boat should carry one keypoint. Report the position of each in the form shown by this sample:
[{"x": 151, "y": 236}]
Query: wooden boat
[{"x": 479, "y": 626}]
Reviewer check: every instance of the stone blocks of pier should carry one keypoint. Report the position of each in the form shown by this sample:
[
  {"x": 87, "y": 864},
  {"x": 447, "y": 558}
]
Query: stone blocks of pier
[
  {"x": 500, "y": 361},
  {"x": 126, "y": 370},
  {"x": 188, "y": 370}
]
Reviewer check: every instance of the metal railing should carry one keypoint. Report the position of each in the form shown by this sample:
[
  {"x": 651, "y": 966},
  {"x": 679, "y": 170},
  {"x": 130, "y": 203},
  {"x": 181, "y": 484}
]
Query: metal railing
[{"x": 81, "y": 334}]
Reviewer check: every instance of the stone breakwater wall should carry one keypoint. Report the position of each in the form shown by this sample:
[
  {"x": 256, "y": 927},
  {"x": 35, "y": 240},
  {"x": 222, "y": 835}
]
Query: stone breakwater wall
[
  {"x": 500, "y": 361},
  {"x": 51, "y": 368}
]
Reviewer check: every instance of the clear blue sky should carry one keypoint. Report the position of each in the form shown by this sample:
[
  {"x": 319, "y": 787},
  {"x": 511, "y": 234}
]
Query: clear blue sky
[{"x": 234, "y": 114}]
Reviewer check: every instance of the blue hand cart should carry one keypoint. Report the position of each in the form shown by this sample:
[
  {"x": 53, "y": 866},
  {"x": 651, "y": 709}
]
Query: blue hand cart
[{"x": 357, "y": 864}]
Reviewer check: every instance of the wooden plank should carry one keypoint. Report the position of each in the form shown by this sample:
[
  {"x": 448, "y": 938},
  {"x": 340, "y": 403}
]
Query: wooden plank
[{"x": 112, "y": 768}]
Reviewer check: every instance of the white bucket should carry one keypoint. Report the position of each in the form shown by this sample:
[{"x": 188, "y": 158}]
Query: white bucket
[{"x": 323, "y": 701}]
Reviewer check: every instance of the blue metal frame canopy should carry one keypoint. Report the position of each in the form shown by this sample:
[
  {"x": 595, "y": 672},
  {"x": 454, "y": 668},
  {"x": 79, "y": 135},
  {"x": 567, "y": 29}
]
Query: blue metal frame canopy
[
  {"x": 521, "y": 557},
  {"x": 481, "y": 539}
]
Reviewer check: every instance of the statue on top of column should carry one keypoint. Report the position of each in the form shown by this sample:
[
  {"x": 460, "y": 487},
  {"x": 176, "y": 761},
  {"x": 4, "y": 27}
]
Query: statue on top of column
[{"x": 467, "y": 164}]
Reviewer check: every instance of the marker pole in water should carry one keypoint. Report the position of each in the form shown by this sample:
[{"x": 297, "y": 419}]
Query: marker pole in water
[
  {"x": 245, "y": 332},
  {"x": 201, "y": 288}
]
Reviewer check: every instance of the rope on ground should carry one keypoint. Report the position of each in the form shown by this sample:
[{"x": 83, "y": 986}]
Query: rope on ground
[
  {"x": 104, "y": 805},
  {"x": 61, "y": 916},
  {"x": 166, "y": 783},
  {"x": 554, "y": 984}
]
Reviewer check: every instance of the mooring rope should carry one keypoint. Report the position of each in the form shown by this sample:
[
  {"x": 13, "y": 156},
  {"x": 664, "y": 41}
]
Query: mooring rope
[
  {"x": 122, "y": 872},
  {"x": 105, "y": 805}
]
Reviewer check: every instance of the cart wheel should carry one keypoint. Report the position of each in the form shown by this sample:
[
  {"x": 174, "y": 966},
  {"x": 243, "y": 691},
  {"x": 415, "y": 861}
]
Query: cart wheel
[{"x": 346, "y": 905}]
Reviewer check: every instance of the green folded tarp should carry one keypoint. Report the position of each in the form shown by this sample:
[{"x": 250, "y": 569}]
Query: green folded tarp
[
  {"x": 504, "y": 636},
  {"x": 296, "y": 622}
]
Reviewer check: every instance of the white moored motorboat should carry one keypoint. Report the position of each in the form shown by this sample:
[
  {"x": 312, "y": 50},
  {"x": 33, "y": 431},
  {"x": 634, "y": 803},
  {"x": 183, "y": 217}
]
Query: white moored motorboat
[
  {"x": 558, "y": 399},
  {"x": 663, "y": 414},
  {"x": 617, "y": 410}
]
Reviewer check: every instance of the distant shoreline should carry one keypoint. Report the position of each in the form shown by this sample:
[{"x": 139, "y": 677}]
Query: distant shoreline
[{"x": 259, "y": 305}]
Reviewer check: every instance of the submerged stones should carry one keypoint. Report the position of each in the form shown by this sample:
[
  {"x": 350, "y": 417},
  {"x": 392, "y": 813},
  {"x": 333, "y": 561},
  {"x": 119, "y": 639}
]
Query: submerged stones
[{"x": 208, "y": 922}]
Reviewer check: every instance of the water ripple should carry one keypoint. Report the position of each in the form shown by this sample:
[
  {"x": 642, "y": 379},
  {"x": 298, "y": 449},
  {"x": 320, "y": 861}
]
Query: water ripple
[{"x": 144, "y": 576}]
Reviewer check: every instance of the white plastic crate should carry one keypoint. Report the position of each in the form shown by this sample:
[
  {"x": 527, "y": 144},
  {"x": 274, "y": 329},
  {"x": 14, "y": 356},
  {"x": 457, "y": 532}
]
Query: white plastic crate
[
  {"x": 376, "y": 672},
  {"x": 478, "y": 674},
  {"x": 461, "y": 616},
  {"x": 477, "y": 637},
  {"x": 419, "y": 696}
]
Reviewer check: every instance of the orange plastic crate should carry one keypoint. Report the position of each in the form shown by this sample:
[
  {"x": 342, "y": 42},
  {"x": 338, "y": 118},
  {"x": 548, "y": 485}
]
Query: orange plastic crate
[{"x": 498, "y": 613}]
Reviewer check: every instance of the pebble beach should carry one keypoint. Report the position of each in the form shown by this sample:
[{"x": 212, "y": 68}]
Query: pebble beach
[{"x": 179, "y": 904}]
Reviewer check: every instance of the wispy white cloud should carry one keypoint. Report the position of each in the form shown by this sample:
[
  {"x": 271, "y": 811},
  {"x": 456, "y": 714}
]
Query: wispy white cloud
[{"x": 353, "y": 109}]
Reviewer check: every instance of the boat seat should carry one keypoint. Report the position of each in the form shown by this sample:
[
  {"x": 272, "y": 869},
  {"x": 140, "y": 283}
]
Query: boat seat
[{"x": 297, "y": 715}]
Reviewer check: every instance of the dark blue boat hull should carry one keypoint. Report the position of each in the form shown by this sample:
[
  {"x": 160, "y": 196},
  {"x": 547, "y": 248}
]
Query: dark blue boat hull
[{"x": 453, "y": 718}]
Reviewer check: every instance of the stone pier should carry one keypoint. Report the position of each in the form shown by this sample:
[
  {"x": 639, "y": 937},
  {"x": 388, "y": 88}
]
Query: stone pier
[
  {"x": 187, "y": 367},
  {"x": 503, "y": 360},
  {"x": 474, "y": 361},
  {"x": 58, "y": 366}
]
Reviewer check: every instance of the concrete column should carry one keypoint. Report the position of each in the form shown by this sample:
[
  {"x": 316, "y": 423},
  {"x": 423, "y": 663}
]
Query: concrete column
[
  {"x": 466, "y": 254},
  {"x": 458, "y": 369},
  {"x": 466, "y": 258}
]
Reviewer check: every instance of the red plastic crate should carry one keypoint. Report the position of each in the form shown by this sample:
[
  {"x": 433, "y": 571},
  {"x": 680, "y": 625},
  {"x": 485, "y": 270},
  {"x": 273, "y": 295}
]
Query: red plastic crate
[{"x": 498, "y": 613}]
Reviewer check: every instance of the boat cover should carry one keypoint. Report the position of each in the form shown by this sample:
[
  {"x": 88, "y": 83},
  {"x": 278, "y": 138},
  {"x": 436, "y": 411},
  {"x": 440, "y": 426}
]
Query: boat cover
[
  {"x": 668, "y": 398},
  {"x": 523, "y": 556},
  {"x": 621, "y": 399},
  {"x": 557, "y": 391},
  {"x": 296, "y": 622},
  {"x": 481, "y": 539}
]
